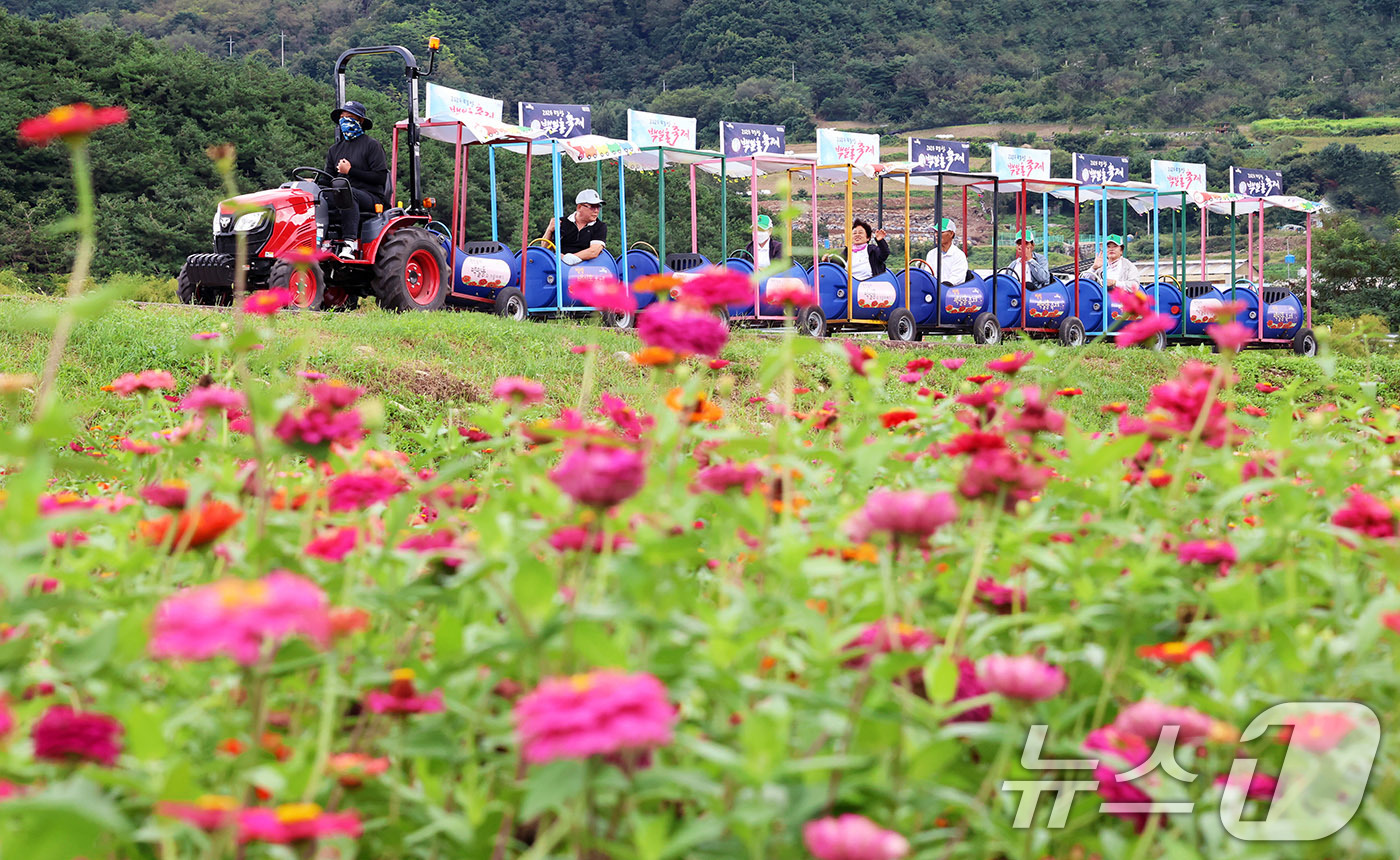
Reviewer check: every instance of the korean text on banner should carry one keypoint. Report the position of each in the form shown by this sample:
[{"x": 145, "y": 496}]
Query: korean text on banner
[
  {"x": 447, "y": 103},
  {"x": 948, "y": 156},
  {"x": 557, "y": 122},
  {"x": 659, "y": 129},
  {"x": 738, "y": 139},
  {"x": 1015, "y": 162},
  {"x": 1253, "y": 182},
  {"x": 1100, "y": 169},
  {"x": 1178, "y": 175},
  {"x": 847, "y": 147}
]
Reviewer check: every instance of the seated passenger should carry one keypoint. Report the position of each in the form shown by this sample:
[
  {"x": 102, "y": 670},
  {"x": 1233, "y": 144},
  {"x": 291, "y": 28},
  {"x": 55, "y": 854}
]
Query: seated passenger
[
  {"x": 867, "y": 258},
  {"x": 1118, "y": 272},
  {"x": 768, "y": 248},
  {"x": 954, "y": 261},
  {"x": 1037, "y": 270},
  {"x": 583, "y": 234}
]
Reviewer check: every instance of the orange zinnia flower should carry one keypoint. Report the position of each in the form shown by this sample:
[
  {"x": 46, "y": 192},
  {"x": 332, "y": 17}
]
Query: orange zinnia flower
[
  {"x": 654, "y": 356},
  {"x": 192, "y": 528},
  {"x": 701, "y": 411},
  {"x": 662, "y": 283},
  {"x": 1176, "y": 652}
]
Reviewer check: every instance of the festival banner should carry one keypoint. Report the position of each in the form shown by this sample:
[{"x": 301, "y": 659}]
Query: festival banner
[
  {"x": 1178, "y": 175},
  {"x": 447, "y": 103},
  {"x": 847, "y": 147},
  {"x": 1100, "y": 169},
  {"x": 738, "y": 139},
  {"x": 659, "y": 129},
  {"x": 557, "y": 122},
  {"x": 1253, "y": 182},
  {"x": 1016, "y": 162},
  {"x": 945, "y": 156}
]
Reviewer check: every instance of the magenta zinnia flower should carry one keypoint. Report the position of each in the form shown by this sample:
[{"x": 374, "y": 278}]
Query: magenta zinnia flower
[
  {"x": 726, "y": 476},
  {"x": 1216, "y": 552},
  {"x": 602, "y": 713},
  {"x": 883, "y": 637},
  {"x": 1025, "y": 677},
  {"x": 1366, "y": 514},
  {"x": 582, "y": 538},
  {"x": 1010, "y": 363},
  {"x": 354, "y": 491},
  {"x": 334, "y": 544},
  {"x": 600, "y": 475},
  {"x": 603, "y": 293},
  {"x": 1259, "y": 786},
  {"x": 214, "y": 398},
  {"x": 716, "y": 288},
  {"x": 911, "y": 514},
  {"x": 518, "y": 390},
  {"x": 147, "y": 380},
  {"x": 65, "y": 735},
  {"x": 239, "y": 618},
  {"x": 1230, "y": 336},
  {"x": 681, "y": 329},
  {"x": 1147, "y": 718},
  {"x": 402, "y": 697},
  {"x": 1138, "y": 331},
  {"x": 267, "y": 302},
  {"x": 295, "y": 822},
  {"x": 852, "y": 837}
]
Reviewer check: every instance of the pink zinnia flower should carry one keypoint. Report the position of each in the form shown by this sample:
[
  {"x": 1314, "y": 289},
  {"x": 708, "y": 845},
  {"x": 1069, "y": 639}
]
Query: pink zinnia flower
[
  {"x": 1135, "y": 302},
  {"x": 440, "y": 543},
  {"x": 1366, "y": 514},
  {"x": 582, "y": 538},
  {"x": 1035, "y": 415},
  {"x": 681, "y": 329},
  {"x": 137, "y": 447},
  {"x": 351, "y": 769},
  {"x": 1177, "y": 405},
  {"x": 295, "y": 822},
  {"x": 715, "y": 287},
  {"x": 1002, "y": 598},
  {"x": 726, "y": 476},
  {"x": 602, "y": 713},
  {"x": 355, "y": 491},
  {"x": 1000, "y": 471},
  {"x": 1260, "y": 786},
  {"x": 600, "y": 475},
  {"x": 1230, "y": 336},
  {"x": 1147, "y": 718},
  {"x": 1217, "y": 552},
  {"x": 331, "y": 395},
  {"x": 632, "y": 423},
  {"x": 858, "y": 356},
  {"x": 518, "y": 390},
  {"x": 65, "y": 735},
  {"x": 604, "y": 293},
  {"x": 1024, "y": 677},
  {"x": 885, "y": 636},
  {"x": 913, "y": 377},
  {"x": 7, "y": 718},
  {"x": 210, "y": 812},
  {"x": 318, "y": 428},
  {"x": 171, "y": 494},
  {"x": 214, "y": 398},
  {"x": 1140, "y": 330},
  {"x": 1265, "y": 388},
  {"x": 267, "y": 302},
  {"x": 1010, "y": 363},
  {"x": 147, "y": 380},
  {"x": 1318, "y": 732},
  {"x": 910, "y": 514},
  {"x": 852, "y": 837},
  {"x": 790, "y": 291},
  {"x": 402, "y": 697},
  {"x": 953, "y": 364},
  {"x": 240, "y": 618},
  {"x": 333, "y": 544}
]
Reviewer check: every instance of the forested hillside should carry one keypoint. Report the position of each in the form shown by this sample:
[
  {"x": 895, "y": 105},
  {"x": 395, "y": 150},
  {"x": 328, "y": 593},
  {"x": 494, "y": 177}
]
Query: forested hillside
[{"x": 909, "y": 63}]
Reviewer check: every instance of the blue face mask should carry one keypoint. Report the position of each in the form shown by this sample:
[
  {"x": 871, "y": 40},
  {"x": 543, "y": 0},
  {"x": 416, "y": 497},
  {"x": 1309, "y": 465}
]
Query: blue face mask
[{"x": 350, "y": 127}]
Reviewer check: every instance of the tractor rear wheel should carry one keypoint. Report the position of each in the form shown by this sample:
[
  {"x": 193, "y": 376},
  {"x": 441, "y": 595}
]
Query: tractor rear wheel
[
  {"x": 410, "y": 272},
  {"x": 307, "y": 284}
]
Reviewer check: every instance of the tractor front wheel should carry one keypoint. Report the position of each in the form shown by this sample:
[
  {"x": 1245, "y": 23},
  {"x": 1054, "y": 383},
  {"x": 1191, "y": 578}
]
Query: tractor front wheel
[
  {"x": 410, "y": 272},
  {"x": 306, "y": 283},
  {"x": 185, "y": 287}
]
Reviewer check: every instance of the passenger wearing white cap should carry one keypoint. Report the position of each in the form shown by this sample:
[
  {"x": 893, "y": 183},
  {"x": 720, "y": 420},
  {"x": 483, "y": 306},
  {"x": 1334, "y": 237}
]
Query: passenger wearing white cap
[
  {"x": 583, "y": 234},
  {"x": 954, "y": 262}
]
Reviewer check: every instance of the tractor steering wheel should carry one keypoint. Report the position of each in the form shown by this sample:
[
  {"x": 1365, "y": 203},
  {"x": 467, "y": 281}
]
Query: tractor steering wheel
[{"x": 317, "y": 175}]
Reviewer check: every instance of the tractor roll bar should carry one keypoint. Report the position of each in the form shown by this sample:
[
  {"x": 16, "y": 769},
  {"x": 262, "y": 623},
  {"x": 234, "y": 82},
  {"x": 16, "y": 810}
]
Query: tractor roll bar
[{"x": 413, "y": 73}]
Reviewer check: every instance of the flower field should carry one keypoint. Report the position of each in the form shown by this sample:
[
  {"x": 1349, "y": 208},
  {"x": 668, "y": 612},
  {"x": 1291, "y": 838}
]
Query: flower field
[{"x": 741, "y": 599}]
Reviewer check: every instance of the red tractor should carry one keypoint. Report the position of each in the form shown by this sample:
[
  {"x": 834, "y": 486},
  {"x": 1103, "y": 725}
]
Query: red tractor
[{"x": 400, "y": 261}]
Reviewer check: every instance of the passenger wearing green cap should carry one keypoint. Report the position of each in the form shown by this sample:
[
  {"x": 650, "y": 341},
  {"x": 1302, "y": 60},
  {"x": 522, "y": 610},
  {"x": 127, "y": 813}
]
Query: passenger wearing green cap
[
  {"x": 1118, "y": 272},
  {"x": 763, "y": 247},
  {"x": 1036, "y": 269},
  {"x": 948, "y": 262}
]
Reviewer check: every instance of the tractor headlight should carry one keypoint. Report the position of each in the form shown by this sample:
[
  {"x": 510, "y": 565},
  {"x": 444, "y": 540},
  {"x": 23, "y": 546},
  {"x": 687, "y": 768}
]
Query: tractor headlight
[{"x": 250, "y": 221}]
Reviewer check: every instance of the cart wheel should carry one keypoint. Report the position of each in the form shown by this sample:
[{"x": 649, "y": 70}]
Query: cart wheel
[
  {"x": 901, "y": 326},
  {"x": 510, "y": 303},
  {"x": 814, "y": 322},
  {"x": 1305, "y": 342},
  {"x": 1156, "y": 343},
  {"x": 621, "y": 322},
  {"x": 1071, "y": 331},
  {"x": 986, "y": 329},
  {"x": 722, "y": 314}
]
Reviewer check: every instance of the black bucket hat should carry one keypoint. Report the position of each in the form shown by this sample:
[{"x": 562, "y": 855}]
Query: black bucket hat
[{"x": 355, "y": 109}]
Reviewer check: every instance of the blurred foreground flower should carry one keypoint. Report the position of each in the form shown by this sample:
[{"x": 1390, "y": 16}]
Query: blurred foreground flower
[
  {"x": 239, "y": 618},
  {"x": 73, "y": 123},
  {"x": 65, "y": 735},
  {"x": 602, "y": 713},
  {"x": 852, "y": 837}
]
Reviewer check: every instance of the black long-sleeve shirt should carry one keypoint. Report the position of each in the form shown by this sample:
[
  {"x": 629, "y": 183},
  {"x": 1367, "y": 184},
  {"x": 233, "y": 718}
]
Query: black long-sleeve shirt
[{"x": 369, "y": 169}]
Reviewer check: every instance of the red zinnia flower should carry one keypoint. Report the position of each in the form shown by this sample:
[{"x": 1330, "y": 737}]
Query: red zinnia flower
[
  {"x": 1265, "y": 388},
  {"x": 918, "y": 364},
  {"x": 979, "y": 378},
  {"x": 1010, "y": 363},
  {"x": 1175, "y": 652},
  {"x": 1070, "y": 392},
  {"x": 858, "y": 356},
  {"x": 72, "y": 122},
  {"x": 402, "y": 698},
  {"x": 334, "y": 544},
  {"x": 896, "y": 417},
  {"x": 194, "y": 528},
  {"x": 267, "y": 302}
]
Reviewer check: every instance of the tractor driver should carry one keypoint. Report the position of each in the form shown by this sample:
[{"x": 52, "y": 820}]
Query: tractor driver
[
  {"x": 357, "y": 162},
  {"x": 583, "y": 234}
]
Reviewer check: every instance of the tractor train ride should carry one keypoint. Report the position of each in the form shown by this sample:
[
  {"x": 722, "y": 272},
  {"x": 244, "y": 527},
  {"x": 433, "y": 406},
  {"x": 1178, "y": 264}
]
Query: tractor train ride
[{"x": 407, "y": 260}]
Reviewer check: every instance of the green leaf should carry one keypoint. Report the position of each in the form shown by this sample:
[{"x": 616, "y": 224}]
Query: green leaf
[
  {"x": 649, "y": 834},
  {"x": 534, "y": 588},
  {"x": 83, "y": 657},
  {"x": 941, "y": 679},
  {"x": 550, "y": 787},
  {"x": 695, "y": 832},
  {"x": 66, "y": 820}
]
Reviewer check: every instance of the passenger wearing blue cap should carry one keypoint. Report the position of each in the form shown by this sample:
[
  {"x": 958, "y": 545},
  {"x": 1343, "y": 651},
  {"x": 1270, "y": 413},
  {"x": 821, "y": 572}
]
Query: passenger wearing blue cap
[
  {"x": 1118, "y": 271},
  {"x": 1037, "y": 270}
]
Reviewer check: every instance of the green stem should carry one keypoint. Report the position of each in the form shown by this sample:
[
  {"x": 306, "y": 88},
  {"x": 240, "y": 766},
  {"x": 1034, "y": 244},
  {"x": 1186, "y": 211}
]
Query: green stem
[
  {"x": 323, "y": 730},
  {"x": 1177, "y": 485},
  {"x": 979, "y": 559},
  {"x": 589, "y": 361},
  {"x": 82, "y": 261}
]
